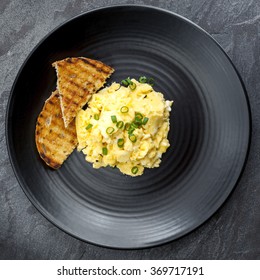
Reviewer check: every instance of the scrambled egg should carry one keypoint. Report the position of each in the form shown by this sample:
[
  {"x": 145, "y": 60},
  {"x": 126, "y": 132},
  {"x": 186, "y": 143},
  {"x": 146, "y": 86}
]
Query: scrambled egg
[{"x": 125, "y": 128}]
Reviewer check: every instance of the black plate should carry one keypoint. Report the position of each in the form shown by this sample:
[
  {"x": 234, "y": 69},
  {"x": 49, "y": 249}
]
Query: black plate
[{"x": 209, "y": 135}]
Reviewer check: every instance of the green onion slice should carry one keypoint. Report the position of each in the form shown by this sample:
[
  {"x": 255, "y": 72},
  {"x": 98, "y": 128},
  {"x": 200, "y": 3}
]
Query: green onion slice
[
  {"x": 145, "y": 120},
  {"x": 134, "y": 169},
  {"x": 132, "y": 86},
  {"x": 110, "y": 130},
  {"x": 104, "y": 151},
  {"x": 113, "y": 118},
  {"x": 89, "y": 126},
  {"x": 142, "y": 79},
  {"x": 124, "y": 109},
  {"x": 138, "y": 123},
  {"x": 120, "y": 124},
  {"x": 151, "y": 81},
  {"x": 96, "y": 117},
  {"x": 132, "y": 138},
  {"x": 124, "y": 83},
  {"x": 138, "y": 116},
  {"x": 133, "y": 125},
  {"x": 120, "y": 142},
  {"x": 129, "y": 81},
  {"x": 127, "y": 126},
  {"x": 131, "y": 130}
]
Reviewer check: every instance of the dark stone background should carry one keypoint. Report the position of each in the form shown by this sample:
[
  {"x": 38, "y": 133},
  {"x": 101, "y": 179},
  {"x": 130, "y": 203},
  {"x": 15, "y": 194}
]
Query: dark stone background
[{"x": 232, "y": 233}]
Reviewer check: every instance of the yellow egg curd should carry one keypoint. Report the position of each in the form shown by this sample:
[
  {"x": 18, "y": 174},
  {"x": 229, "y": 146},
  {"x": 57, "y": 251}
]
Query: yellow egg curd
[{"x": 125, "y": 127}]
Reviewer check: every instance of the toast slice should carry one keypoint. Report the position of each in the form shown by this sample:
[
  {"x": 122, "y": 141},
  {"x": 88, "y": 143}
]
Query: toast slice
[
  {"x": 54, "y": 142},
  {"x": 78, "y": 79}
]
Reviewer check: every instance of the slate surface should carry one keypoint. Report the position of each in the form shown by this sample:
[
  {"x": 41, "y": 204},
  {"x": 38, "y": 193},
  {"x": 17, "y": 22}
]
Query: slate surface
[{"x": 232, "y": 233}]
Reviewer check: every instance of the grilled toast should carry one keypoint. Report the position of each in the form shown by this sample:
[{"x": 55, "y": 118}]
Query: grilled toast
[
  {"x": 77, "y": 79},
  {"x": 54, "y": 142}
]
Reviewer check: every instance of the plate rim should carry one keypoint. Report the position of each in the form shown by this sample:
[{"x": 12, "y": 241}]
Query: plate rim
[{"x": 15, "y": 166}]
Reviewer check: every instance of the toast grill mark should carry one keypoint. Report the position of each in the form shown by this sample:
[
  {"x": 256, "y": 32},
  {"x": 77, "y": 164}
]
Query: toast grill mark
[
  {"x": 99, "y": 66},
  {"x": 78, "y": 79}
]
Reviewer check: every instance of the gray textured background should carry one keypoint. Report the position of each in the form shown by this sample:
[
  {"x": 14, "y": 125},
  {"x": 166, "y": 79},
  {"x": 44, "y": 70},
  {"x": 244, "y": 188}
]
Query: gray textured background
[{"x": 232, "y": 233}]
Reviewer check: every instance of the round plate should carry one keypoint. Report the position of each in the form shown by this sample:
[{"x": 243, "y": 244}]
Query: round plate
[{"x": 209, "y": 134}]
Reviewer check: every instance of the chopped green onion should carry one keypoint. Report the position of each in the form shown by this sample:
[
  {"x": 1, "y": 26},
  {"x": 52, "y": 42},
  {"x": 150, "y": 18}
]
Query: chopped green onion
[
  {"x": 124, "y": 83},
  {"x": 96, "y": 117},
  {"x": 145, "y": 120},
  {"x": 89, "y": 126},
  {"x": 151, "y": 81},
  {"x": 132, "y": 138},
  {"x": 134, "y": 169},
  {"x": 104, "y": 151},
  {"x": 124, "y": 109},
  {"x": 131, "y": 130},
  {"x": 110, "y": 130},
  {"x": 142, "y": 79},
  {"x": 120, "y": 124},
  {"x": 138, "y": 116},
  {"x": 133, "y": 125},
  {"x": 113, "y": 118},
  {"x": 120, "y": 142},
  {"x": 127, "y": 126},
  {"x": 132, "y": 86},
  {"x": 138, "y": 123},
  {"x": 129, "y": 81}
]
